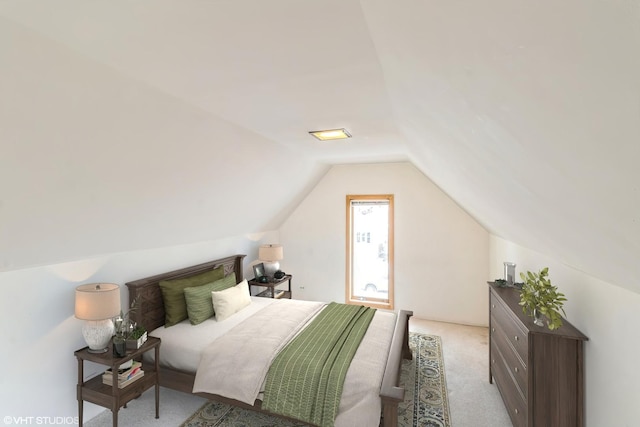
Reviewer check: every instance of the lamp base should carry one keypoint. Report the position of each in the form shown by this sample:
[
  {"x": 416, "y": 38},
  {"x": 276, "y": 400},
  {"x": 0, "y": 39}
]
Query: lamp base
[
  {"x": 98, "y": 351},
  {"x": 97, "y": 334},
  {"x": 270, "y": 267}
]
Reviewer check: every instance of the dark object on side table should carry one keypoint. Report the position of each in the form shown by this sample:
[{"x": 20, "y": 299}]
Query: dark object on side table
[{"x": 119, "y": 346}]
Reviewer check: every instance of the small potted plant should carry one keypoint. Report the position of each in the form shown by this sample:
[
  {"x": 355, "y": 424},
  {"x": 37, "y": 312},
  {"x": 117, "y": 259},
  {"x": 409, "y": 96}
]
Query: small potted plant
[
  {"x": 539, "y": 297},
  {"x": 133, "y": 334},
  {"x": 136, "y": 337}
]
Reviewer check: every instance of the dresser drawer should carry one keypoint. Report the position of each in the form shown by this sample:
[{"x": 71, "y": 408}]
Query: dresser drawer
[
  {"x": 515, "y": 334},
  {"x": 512, "y": 362},
  {"x": 514, "y": 401}
]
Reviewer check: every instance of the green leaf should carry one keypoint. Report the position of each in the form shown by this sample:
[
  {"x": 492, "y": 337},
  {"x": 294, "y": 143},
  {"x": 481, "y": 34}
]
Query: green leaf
[{"x": 538, "y": 292}]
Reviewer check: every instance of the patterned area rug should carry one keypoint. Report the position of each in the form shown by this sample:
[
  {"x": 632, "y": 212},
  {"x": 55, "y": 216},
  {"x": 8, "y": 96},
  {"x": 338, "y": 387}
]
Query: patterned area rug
[
  {"x": 425, "y": 403},
  {"x": 426, "y": 373}
]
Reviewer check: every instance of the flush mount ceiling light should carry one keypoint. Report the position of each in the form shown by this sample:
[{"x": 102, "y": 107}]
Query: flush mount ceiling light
[{"x": 327, "y": 135}]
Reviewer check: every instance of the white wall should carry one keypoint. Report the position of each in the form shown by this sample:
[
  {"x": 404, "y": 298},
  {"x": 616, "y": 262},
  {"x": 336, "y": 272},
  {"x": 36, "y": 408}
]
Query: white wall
[
  {"x": 39, "y": 332},
  {"x": 605, "y": 313},
  {"x": 441, "y": 253}
]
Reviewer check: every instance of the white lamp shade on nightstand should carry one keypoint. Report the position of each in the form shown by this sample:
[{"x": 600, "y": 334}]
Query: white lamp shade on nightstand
[
  {"x": 97, "y": 304},
  {"x": 270, "y": 255}
]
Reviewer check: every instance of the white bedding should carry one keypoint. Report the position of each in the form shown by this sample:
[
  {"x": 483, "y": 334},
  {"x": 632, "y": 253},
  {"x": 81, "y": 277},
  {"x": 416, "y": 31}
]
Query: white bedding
[{"x": 183, "y": 345}]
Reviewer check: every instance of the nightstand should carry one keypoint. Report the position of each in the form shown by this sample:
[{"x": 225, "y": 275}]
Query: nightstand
[
  {"x": 113, "y": 397},
  {"x": 271, "y": 291}
]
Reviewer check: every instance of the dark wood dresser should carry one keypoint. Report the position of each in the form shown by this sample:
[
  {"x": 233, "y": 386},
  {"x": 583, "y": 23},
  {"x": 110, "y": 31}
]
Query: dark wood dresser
[{"x": 539, "y": 372}]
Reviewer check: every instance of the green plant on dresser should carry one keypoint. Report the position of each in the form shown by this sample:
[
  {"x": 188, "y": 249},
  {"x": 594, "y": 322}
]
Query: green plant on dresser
[{"x": 539, "y": 297}]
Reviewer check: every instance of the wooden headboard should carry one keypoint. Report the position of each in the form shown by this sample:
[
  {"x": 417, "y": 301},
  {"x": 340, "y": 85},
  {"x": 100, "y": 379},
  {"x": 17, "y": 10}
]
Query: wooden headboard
[{"x": 150, "y": 309}]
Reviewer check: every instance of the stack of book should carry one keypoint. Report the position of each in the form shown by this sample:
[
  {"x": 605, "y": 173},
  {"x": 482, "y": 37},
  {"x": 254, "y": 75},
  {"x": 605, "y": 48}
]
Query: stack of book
[{"x": 125, "y": 376}]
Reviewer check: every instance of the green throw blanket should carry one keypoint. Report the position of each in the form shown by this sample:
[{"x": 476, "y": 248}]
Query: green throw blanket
[{"x": 306, "y": 378}]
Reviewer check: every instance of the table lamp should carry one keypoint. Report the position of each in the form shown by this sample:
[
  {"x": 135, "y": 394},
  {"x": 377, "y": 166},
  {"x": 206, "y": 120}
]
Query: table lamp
[
  {"x": 270, "y": 255},
  {"x": 97, "y": 304}
]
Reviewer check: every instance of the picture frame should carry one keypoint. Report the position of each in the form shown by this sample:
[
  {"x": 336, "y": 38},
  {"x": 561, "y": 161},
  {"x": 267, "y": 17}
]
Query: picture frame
[
  {"x": 510, "y": 273},
  {"x": 258, "y": 271}
]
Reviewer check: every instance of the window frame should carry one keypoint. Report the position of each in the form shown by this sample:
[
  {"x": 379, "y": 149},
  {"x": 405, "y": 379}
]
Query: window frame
[{"x": 387, "y": 304}]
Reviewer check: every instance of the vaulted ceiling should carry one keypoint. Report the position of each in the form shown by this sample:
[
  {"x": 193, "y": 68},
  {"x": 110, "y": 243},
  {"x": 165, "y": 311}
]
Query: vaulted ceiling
[{"x": 126, "y": 125}]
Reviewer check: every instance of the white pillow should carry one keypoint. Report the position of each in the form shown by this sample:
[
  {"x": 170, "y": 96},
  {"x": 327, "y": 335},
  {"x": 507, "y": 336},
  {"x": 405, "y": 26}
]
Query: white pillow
[{"x": 231, "y": 300}]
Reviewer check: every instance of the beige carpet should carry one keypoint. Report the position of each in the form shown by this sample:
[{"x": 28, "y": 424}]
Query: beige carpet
[{"x": 473, "y": 402}]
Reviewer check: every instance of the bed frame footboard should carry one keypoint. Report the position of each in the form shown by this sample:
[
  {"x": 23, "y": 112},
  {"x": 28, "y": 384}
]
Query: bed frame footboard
[{"x": 391, "y": 393}]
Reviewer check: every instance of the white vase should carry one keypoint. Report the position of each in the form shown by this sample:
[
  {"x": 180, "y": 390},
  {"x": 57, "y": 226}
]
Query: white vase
[{"x": 97, "y": 334}]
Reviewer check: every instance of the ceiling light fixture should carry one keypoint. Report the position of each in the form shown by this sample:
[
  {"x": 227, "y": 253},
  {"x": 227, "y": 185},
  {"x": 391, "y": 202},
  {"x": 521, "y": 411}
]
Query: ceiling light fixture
[{"x": 327, "y": 135}]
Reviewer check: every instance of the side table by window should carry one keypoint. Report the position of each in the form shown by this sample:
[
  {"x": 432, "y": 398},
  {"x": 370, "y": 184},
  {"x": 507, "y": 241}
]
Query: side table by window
[
  {"x": 271, "y": 291},
  {"x": 113, "y": 397}
]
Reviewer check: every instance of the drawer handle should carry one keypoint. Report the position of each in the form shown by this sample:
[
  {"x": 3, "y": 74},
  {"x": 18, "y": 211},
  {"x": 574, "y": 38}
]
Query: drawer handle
[
  {"x": 493, "y": 361},
  {"x": 517, "y": 412},
  {"x": 493, "y": 329},
  {"x": 516, "y": 369},
  {"x": 493, "y": 306},
  {"x": 516, "y": 338}
]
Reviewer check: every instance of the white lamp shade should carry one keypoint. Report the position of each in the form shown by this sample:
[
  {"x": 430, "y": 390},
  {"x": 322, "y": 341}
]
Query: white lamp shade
[
  {"x": 270, "y": 253},
  {"x": 97, "y": 301}
]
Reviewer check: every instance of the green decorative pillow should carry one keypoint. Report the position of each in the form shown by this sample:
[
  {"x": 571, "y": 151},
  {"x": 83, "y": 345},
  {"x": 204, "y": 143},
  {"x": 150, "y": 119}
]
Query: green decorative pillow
[
  {"x": 175, "y": 306},
  {"x": 199, "y": 302}
]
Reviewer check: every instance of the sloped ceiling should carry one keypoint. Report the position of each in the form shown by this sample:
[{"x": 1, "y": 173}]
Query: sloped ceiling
[{"x": 127, "y": 125}]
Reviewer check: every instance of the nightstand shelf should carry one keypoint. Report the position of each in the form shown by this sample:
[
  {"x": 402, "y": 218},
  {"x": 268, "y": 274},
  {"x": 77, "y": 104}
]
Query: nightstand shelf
[
  {"x": 271, "y": 291},
  {"x": 111, "y": 396}
]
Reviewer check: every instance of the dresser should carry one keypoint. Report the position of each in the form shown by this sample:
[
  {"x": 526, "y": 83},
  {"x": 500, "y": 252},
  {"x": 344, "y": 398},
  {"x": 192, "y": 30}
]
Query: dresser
[{"x": 539, "y": 372}]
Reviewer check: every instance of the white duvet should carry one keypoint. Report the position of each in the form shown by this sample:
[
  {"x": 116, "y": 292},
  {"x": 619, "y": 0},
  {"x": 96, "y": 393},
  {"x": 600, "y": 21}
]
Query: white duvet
[{"x": 185, "y": 346}]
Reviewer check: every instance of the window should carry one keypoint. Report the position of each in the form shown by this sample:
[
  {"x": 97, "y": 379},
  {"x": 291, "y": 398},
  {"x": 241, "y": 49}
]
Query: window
[{"x": 370, "y": 250}]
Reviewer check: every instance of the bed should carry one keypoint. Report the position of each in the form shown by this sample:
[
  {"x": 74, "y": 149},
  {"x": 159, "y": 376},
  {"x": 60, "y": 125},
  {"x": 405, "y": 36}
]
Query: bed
[{"x": 181, "y": 375}]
